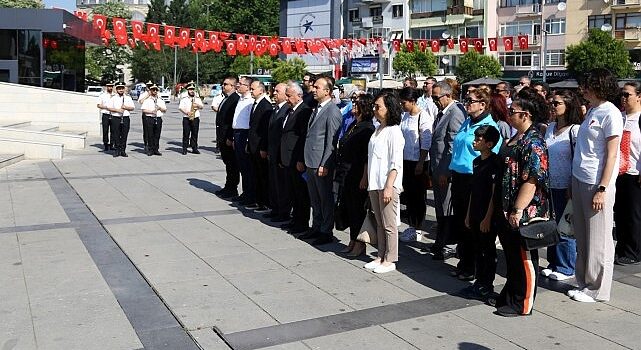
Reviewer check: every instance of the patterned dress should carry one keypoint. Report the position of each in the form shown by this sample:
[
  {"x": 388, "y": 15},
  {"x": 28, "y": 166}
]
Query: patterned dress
[{"x": 525, "y": 160}]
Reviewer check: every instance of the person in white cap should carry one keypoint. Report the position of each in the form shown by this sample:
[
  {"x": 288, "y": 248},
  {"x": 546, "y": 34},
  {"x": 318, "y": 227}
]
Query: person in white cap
[
  {"x": 190, "y": 106},
  {"x": 152, "y": 111},
  {"x": 103, "y": 102},
  {"x": 120, "y": 107}
]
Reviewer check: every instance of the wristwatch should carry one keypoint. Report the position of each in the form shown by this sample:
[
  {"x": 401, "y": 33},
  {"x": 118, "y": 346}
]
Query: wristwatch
[
  {"x": 516, "y": 210},
  {"x": 601, "y": 189}
]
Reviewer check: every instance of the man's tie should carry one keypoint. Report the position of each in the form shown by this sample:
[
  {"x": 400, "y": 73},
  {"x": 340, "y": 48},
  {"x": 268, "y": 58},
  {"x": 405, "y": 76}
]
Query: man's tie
[
  {"x": 439, "y": 115},
  {"x": 289, "y": 114},
  {"x": 311, "y": 119},
  {"x": 251, "y": 114}
]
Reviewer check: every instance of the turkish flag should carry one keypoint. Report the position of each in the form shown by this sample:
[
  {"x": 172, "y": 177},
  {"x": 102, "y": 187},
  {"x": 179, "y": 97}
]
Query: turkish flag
[
  {"x": 450, "y": 43},
  {"x": 422, "y": 45},
  {"x": 106, "y": 36},
  {"x": 120, "y": 27},
  {"x": 183, "y": 37},
  {"x": 396, "y": 44},
  {"x": 132, "y": 42},
  {"x": 241, "y": 43},
  {"x": 523, "y": 42},
  {"x": 436, "y": 45},
  {"x": 152, "y": 32},
  {"x": 478, "y": 45},
  {"x": 170, "y": 32},
  {"x": 136, "y": 29},
  {"x": 251, "y": 42},
  {"x": 311, "y": 46},
  {"x": 199, "y": 40},
  {"x": 300, "y": 47},
  {"x": 322, "y": 44},
  {"x": 463, "y": 45},
  {"x": 223, "y": 36},
  {"x": 273, "y": 48},
  {"x": 286, "y": 46},
  {"x": 100, "y": 23},
  {"x": 231, "y": 47},
  {"x": 409, "y": 44},
  {"x": 260, "y": 48},
  {"x": 508, "y": 43},
  {"x": 492, "y": 42}
]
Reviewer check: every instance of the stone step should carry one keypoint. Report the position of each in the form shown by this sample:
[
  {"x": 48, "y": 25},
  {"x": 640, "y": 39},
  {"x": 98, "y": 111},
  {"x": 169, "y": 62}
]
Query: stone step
[
  {"x": 70, "y": 140},
  {"x": 32, "y": 149},
  {"x": 8, "y": 159}
]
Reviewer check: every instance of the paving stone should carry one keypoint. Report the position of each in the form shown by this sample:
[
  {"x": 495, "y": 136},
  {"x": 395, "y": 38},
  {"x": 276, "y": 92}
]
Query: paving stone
[
  {"x": 243, "y": 262},
  {"x": 267, "y": 282},
  {"x": 194, "y": 230},
  {"x": 209, "y": 340},
  {"x": 301, "y": 304},
  {"x": 371, "y": 338},
  {"x": 176, "y": 271},
  {"x": 197, "y": 292}
]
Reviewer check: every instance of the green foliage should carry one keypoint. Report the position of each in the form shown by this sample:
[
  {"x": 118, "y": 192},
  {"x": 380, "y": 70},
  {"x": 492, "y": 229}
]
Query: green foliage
[
  {"x": 292, "y": 69},
  {"x": 252, "y": 17},
  {"x": 241, "y": 65},
  {"x": 102, "y": 61},
  {"x": 22, "y": 4},
  {"x": 157, "y": 12},
  {"x": 599, "y": 50},
  {"x": 474, "y": 65},
  {"x": 409, "y": 63}
]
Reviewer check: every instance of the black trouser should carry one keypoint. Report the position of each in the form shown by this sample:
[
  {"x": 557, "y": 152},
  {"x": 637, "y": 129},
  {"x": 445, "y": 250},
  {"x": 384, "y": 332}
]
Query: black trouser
[
  {"x": 461, "y": 189},
  {"x": 415, "y": 194},
  {"x": 519, "y": 291},
  {"x": 119, "y": 132},
  {"x": 261, "y": 179},
  {"x": 627, "y": 216},
  {"x": 353, "y": 201},
  {"x": 190, "y": 132},
  {"x": 279, "y": 195},
  {"x": 300, "y": 198},
  {"x": 485, "y": 255},
  {"x": 106, "y": 123},
  {"x": 145, "y": 131},
  {"x": 154, "y": 127},
  {"x": 231, "y": 166}
]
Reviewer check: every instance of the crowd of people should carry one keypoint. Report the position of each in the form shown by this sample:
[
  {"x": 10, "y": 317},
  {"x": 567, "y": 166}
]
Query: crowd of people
[{"x": 496, "y": 160}]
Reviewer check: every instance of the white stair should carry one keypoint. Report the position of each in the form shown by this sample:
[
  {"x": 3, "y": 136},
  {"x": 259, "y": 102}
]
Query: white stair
[
  {"x": 8, "y": 159},
  {"x": 32, "y": 149},
  {"x": 28, "y": 131}
]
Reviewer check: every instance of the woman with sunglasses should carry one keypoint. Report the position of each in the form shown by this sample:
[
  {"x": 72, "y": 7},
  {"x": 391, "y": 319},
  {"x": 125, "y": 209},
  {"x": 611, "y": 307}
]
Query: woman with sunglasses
[
  {"x": 560, "y": 138},
  {"x": 594, "y": 170},
  {"x": 351, "y": 158},
  {"x": 416, "y": 125},
  {"x": 385, "y": 179},
  {"x": 627, "y": 204},
  {"x": 477, "y": 105},
  {"x": 525, "y": 195}
]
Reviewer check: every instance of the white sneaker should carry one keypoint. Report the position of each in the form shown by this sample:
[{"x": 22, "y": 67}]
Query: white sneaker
[
  {"x": 384, "y": 269},
  {"x": 546, "y": 272},
  {"x": 557, "y": 276},
  {"x": 584, "y": 298},
  {"x": 372, "y": 264},
  {"x": 409, "y": 235},
  {"x": 572, "y": 292}
]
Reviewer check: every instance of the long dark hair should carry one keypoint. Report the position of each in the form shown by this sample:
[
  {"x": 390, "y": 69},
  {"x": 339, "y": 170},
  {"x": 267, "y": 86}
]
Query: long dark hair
[
  {"x": 602, "y": 83},
  {"x": 573, "y": 114},
  {"x": 498, "y": 107},
  {"x": 365, "y": 103},
  {"x": 530, "y": 100},
  {"x": 393, "y": 106}
]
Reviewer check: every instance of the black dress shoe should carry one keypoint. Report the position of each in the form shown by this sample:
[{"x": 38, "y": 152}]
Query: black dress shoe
[
  {"x": 123, "y": 154},
  {"x": 624, "y": 260},
  {"x": 150, "y": 154},
  {"x": 311, "y": 233},
  {"x": 117, "y": 153},
  {"x": 229, "y": 195},
  {"x": 298, "y": 230},
  {"x": 288, "y": 225},
  {"x": 323, "y": 240},
  {"x": 156, "y": 153},
  {"x": 195, "y": 151},
  {"x": 184, "y": 151},
  {"x": 220, "y": 191},
  {"x": 280, "y": 218},
  {"x": 507, "y": 311}
]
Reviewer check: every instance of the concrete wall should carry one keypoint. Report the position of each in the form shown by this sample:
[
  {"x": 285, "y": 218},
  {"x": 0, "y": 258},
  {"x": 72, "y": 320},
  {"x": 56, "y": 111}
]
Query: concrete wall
[{"x": 69, "y": 110}]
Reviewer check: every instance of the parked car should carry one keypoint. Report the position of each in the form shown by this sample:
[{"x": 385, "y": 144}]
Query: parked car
[
  {"x": 94, "y": 90},
  {"x": 165, "y": 95}
]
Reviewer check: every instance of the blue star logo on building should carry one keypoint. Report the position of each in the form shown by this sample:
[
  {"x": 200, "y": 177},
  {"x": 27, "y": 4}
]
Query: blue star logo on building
[{"x": 308, "y": 26}]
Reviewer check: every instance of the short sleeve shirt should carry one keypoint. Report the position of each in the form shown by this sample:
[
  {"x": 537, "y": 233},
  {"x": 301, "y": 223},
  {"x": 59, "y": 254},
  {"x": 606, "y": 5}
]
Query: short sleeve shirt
[
  {"x": 600, "y": 123},
  {"x": 560, "y": 153},
  {"x": 486, "y": 174}
]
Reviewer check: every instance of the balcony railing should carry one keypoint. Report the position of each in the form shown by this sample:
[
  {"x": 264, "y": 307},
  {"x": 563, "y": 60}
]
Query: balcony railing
[
  {"x": 528, "y": 10},
  {"x": 624, "y": 3},
  {"x": 377, "y": 19},
  {"x": 460, "y": 10}
]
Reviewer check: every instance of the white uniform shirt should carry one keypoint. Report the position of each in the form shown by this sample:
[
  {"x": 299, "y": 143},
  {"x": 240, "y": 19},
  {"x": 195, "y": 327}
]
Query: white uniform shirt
[
  {"x": 242, "y": 112},
  {"x": 385, "y": 153},
  {"x": 632, "y": 126},
  {"x": 143, "y": 97},
  {"x": 104, "y": 99},
  {"x": 151, "y": 103},
  {"x": 591, "y": 143},
  {"x": 185, "y": 104},
  {"x": 411, "y": 129},
  {"x": 118, "y": 101}
]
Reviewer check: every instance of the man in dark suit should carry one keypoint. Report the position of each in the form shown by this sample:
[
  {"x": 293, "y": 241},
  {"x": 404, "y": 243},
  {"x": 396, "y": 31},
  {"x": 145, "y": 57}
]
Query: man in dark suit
[
  {"x": 308, "y": 85},
  {"x": 257, "y": 144},
  {"x": 446, "y": 125},
  {"x": 319, "y": 160},
  {"x": 279, "y": 196},
  {"x": 224, "y": 118},
  {"x": 292, "y": 147}
]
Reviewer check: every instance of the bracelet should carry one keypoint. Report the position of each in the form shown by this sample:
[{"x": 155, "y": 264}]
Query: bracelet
[{"x": 517, "y": 211}]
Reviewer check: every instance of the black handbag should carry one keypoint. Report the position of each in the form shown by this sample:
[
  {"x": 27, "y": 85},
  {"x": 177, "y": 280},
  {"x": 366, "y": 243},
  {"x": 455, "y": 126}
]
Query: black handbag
[{"x": 539, "y": 233}]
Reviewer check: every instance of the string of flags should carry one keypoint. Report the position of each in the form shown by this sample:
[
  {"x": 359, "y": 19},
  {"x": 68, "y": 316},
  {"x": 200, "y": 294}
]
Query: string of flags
[{"x": 136, "y": 33}]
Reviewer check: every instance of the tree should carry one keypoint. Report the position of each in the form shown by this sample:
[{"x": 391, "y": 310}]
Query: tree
[
  {"x": 241, "y": 64},
  {"x": 292, "y": 69},
  {"x": 102, "y": 62},
  {"x": 474, "y": 65},
  {"x": 157, "y": 12},
  {"x": 179, "y": 14},
  {"x": 22, "y": 4},
  {"x": 599, "y": 50},
  {"x": 408, "y": 63}
]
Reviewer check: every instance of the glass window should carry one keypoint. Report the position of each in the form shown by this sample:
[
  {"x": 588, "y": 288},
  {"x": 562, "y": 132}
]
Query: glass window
[
  {"x": 29, "y": 71},
  {"x": 511, "y": 3},
  {"x": 517, "y": 28},
  {"x": 556, "y": 58},
  {"x": 397, "y": 11},
  {"x": 555, "y": 26},
  {"x": 428, "y": 5},
  {"x": 428, "y": 33},
  {"x": 8, "y": 44},
  {"x": 517, "y": 59},
  {"x": 628, "y": 20},
  {"x": 353, "y": 15},
  {"x": 597, "y": 21},
  {"x": 376, "y": 11}
]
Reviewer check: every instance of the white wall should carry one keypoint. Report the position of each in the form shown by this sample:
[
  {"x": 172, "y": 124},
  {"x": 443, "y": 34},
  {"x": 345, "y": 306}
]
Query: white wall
[{"x": 69, "y": 110}]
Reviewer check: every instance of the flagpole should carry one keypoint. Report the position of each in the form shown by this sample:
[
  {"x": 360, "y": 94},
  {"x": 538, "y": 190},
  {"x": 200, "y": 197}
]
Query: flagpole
[{"x": 175, "y": 60}]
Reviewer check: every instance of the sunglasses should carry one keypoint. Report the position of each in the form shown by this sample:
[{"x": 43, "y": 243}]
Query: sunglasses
[
  {"x": 626, "y": 94},
  {"x": 514, "y": 111},
  {"x": 469, "y": 101},
  {"x": 438, "y": 97},
  {"x": 556, "y": 103}
]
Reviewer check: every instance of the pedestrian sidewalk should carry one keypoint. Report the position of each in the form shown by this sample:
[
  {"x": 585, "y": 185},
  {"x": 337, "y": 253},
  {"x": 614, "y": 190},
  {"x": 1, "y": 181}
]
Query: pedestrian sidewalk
[{"x": 99, "y": 252}]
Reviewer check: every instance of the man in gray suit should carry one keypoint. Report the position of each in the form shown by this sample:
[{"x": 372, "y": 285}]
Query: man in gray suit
[
  {"x": 319, "y": 160},
  {"x": 446, "y": 125}
]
